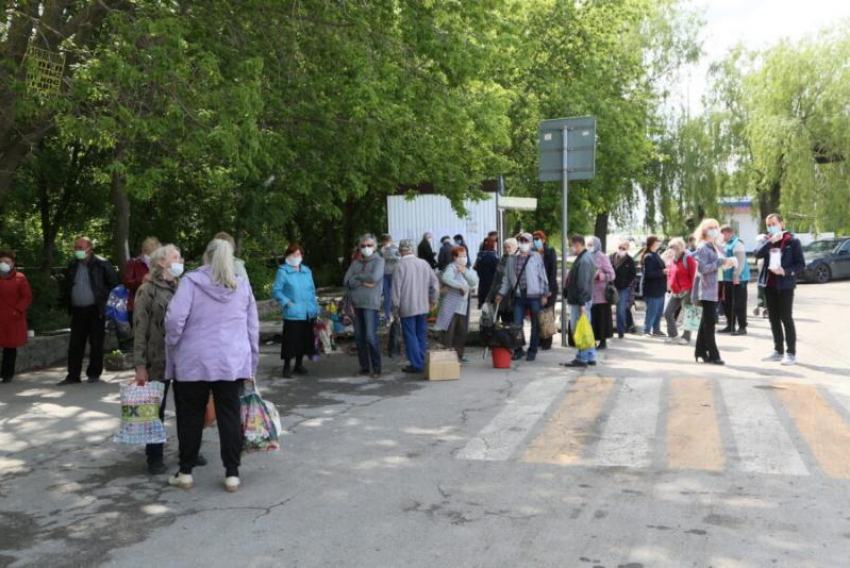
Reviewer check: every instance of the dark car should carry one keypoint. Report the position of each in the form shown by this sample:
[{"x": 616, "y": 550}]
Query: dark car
[{"x": 827, "y": 259}]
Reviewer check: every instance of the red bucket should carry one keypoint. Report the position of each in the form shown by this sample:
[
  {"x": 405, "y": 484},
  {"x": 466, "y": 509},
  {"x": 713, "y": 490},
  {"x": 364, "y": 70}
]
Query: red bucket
[{"x": 501, "y": 357}]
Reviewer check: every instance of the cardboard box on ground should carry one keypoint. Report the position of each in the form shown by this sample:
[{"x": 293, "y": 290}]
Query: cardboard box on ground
[{"x": 442, "y": 365}]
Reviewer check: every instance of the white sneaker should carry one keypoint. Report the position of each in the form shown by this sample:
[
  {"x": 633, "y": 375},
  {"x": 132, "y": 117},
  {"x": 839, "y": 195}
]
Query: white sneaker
[
  {"x": 775, "y": 356},
  {"x": 181, "y": 480},
  {"x": 231, "y": 484},
  {"x": 671, "y": 340},
  {"x": 683, "y": 341},
  {"x": 789, "y": 359}
]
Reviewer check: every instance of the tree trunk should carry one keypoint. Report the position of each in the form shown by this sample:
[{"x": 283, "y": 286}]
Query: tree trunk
[
  {"x": 121, "y": 203},
  {"x": 769, "y": 201},
  {"x": 600, "y": 228},
  {"x": 348, "y": 235}
]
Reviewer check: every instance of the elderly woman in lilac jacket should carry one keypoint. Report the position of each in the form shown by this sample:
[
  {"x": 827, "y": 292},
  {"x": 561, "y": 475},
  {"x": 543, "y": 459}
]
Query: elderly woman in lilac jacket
[
  {"x": 601, "y": 317},
  {"x": 212, "y": 337}
]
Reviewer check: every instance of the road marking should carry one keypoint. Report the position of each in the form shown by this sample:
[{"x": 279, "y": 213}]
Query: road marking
[
  {"x": 629, "y": 435},
  {"x": 693, "y": 436},
  {"x": 501, "y": 437},
  {"x": 821, "y": 426},
  {"x": 764, "y": 445},
  {"x": 564, "y": 438}
]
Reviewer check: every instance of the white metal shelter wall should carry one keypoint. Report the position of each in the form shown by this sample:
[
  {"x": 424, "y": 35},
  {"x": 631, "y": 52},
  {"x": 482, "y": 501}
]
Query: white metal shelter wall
[{"x": 410, "y": 219}]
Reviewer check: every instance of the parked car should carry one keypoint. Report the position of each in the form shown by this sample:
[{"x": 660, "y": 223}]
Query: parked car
[{"x": 827, "y": 259}]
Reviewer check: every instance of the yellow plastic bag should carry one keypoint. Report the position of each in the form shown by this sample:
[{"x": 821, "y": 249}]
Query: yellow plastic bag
[{"x": 583, "y": 335}]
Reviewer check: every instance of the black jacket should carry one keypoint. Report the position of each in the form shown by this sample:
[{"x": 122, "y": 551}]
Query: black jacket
[
  {"x": 445, "y": 256},
  {"x": 550, "y": 263},
  {"x": 792, "y": 261},
  {"x": 579, "y": 289},
  {"x": 426, "y": 253},
  {"x": 654, "y": 279},
  {"x": 101, "y": 276},
  {"x": 625, "y": 272}
]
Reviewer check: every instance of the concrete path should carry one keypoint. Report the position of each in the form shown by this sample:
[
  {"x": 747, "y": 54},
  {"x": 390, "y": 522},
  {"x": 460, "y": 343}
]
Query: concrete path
[{"x": 647, "y": 460}]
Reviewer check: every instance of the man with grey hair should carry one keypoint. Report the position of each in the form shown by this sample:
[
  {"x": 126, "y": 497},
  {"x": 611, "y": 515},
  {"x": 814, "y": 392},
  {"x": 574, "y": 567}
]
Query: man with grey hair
[
  {"x": 363, "y": 284},
  {"x": 85, "y": 290},
  {"x": 414, "y": 294}
]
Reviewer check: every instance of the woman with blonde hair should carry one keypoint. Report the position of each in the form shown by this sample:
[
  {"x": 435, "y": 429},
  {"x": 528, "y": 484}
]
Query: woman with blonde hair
[
  {"x": 709, "y": 260},
  {"x": 212, "y": 336}
]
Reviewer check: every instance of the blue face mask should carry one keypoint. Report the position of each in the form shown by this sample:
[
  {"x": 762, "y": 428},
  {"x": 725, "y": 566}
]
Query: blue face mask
[
  {"x": 774, "y": 229},
  {"x": 538, "y": 244}
]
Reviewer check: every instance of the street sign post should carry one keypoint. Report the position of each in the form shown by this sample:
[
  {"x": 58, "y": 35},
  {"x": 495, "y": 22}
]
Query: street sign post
[{"x": 567, "y": 152}]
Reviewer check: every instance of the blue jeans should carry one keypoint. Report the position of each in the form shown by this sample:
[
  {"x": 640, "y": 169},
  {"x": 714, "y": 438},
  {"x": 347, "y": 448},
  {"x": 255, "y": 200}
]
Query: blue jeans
[
  {"x": 654, "y": 311},
  {"x": 623, "y": 310},
  {"x": 388, "y": 290},
  {"x": 154, "y": 452},
  {"x": 415, "y": 330},
  {"x": 366, "y": 338},
  {"x": 583, "y": 355},
  {"x": 522, "y": 305}
]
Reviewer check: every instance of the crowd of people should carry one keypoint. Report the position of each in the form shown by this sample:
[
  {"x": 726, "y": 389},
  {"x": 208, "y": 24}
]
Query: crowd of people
[{"x": 181, "y": 321}]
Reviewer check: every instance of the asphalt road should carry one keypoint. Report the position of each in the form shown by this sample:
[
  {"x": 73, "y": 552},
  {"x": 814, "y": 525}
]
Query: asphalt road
[{"x": 648, "y": 460}]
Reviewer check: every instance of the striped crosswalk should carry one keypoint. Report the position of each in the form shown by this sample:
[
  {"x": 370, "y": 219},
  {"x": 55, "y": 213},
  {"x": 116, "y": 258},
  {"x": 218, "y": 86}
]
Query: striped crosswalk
[{"x": 687, "y": 423}]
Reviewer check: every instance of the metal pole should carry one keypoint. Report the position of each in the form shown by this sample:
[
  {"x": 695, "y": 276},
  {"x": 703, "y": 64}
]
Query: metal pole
[{"x": 564, "y": 249}]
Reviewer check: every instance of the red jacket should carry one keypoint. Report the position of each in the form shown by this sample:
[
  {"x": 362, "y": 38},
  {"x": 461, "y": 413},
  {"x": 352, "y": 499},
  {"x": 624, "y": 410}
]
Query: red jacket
[
  {"x": 15, "y": 298},
  {"x": 133, "y": 276},
  {"x": 680, "y": 275}
]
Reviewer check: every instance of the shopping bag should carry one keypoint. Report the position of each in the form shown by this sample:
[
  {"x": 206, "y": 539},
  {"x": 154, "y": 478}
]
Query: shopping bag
[
  {"x": 693, "y": 316},
  {"x": 260, "y": 421},
  {"x": 547, "y": 323},
  {"x": 394, "y": 340},
  {"x": 140, "y": 423},
  {"x": 584, "y": 334}
]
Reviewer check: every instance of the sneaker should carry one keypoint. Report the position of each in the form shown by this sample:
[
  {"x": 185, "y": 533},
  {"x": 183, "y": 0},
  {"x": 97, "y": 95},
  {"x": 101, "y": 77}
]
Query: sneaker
[
  {"x": 68, "y": 381},
  {"x": 775, "y": 356},
  {"x": 683, "y": 341},
  {"x": 157, "y": 467},
  {"x": 671, "y": 340},
  {"x": 93, "y": 380},
  {"x": 231, "y": 484},
  {"x": 742, "y": 331},
  {"x": 789, "y": 359},
  {"x": 181, "y": 480}
]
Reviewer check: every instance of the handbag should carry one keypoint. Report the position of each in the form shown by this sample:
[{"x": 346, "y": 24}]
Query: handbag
[
  {"x": 612, "y": 295},
  {"x": 546, "y": 319},
  {"x": 393, "y": 341},
  {"x": 260, "y": 421},
  {"x": 140, "y": 423},
  {"x": 693, "y": 316}
]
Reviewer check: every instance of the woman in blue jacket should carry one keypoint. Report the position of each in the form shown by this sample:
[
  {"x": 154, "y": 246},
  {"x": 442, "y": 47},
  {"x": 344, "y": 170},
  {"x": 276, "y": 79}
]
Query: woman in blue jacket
[
  {"x": 296, "y": 293},
  {"x": 779, "y": 283},
  {"x": 654, "y": 286}
]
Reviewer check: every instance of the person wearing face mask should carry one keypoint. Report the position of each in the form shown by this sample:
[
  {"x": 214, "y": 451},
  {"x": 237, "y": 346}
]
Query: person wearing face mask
[
  {"x": 459, "y": 242},
  {"x": 625, "y": 273},
  {"x": 391, "y": 256},
  {"x": 363, "y": 286},
  {"x": 735, "y": 282},
  {"x": 136, "y": 270},
  {"x": 654, "y": 287},
  {"x": 460, "y": 280},
  {"x": 709, "y": 259},
  {"x": 526, "y": 284},
  {"x": 152, "y": 300},
  {"x": 15, "y": 298},
  {"x": 579, "y": 296},
  {"x": 426, "y": 252},
  {"x": 782, "y": 256},
  {"x": 414, "y": 294},
  {"x": 85, "y": 289},
  {"x": 601, "y": 318},
  {"x": 550, "y": 264},
  {"x": 680, "y": 279},
  {"x": 295, "y": 291},
  {"x": 506, "y": 313}
]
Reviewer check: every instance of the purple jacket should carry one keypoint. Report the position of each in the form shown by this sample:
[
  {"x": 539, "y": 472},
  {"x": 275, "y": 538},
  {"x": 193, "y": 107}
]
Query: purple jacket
[
  {"x": 604, "y": 274},
  {"x": 212, "y": 333}
]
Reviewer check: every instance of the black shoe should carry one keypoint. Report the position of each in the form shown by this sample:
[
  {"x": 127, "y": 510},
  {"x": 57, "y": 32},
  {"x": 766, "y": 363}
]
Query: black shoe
[
  {"x": 575, "y": 364},
  {"x": 300, "y": 370},
  {"x": 518, "y": 355},
  {"x": 93, "y": 380},
  {"x": 157, "y": 467},
  {"x": 364, "y": 372},
  {"x": 659, "y": 334},
  {"x": 7, "y": 380},
  {"x": 531, "y": 357},
  {"x": 725, "y": 330},
  {"x": 621, "y": 335},
  {"x": 592, "y": 363},
  {"x": 410, "y": 369},
  {"x": 602, "y": 345},
  {"x": 742, "y": 331},
  {"x": 200, "y": 461},
  {"x": 287, "y": 373},
  {"x": 717, "y": 361},
  {"x": 69, "y": 381}
]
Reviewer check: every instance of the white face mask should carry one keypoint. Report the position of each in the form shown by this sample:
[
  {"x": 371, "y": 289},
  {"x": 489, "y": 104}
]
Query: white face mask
[
  {"x": 5, "y": 268},
  {"x": 292, "y": 260},
  {"x": 621, "y": 253},
  {"x": 146, "y": 259},
  {"x": 367, "y": 251},
  {"x": 524, "y": 247},
  {"x": 589, "y": 248},
  {"x": 176, "y": 269},
  {"x": 460, "y": 261},
  {"x": 712, "y": 233}
]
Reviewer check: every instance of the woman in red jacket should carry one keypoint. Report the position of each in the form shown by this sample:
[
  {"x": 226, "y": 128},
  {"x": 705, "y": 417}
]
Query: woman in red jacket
[
  {"x": 680, "y": 282},
  {"x": 15, "y": 298}
]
